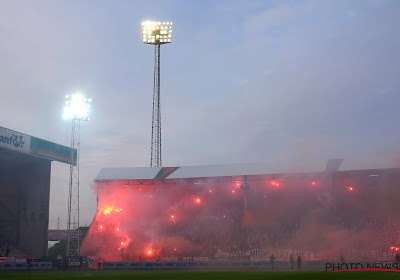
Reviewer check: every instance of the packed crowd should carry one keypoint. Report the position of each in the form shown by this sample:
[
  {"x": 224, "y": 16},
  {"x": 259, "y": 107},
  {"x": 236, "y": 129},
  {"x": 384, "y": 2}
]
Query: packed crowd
[{"x": 198, "y": 222}]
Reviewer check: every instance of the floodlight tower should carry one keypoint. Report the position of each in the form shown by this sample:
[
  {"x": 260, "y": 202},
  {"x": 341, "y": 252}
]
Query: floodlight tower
[
  {"x": 77, "y": 109},
  {"x": 156, "y": 33}
]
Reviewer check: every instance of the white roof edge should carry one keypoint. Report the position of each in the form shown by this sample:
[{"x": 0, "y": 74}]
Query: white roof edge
[{"x": 235, "y": 169}]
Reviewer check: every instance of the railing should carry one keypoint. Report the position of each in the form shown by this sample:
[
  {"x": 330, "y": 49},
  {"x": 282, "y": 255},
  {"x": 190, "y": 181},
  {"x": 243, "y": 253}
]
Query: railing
[
  {"x": 24, "y": 266},
  {"x": 279, "y": 265}
]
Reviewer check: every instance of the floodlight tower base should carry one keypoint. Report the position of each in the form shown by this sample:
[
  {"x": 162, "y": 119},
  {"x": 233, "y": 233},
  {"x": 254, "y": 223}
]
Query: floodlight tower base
[
  {"x": 73, "y": 235},
  {"x": 156, "y": 119}
]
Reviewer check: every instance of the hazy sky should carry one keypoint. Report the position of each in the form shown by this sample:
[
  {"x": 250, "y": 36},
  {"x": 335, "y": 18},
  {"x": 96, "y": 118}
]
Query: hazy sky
[{"x": 243, "y": 81}]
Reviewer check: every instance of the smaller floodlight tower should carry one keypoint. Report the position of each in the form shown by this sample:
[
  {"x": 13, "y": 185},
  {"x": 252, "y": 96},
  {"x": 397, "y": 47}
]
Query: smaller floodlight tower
[
  {"x": 77, "y": 109},
  {"x": 156, "y": 33}
]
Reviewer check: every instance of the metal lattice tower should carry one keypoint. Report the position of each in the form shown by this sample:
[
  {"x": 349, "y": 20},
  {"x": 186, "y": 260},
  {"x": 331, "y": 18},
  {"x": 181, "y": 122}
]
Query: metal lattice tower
[
  {"x": 156, "y": 120},
  {"x": 156, "y": 33},
  {"x": 73, "y": 241},
  {"x": 77, "y": 109}
]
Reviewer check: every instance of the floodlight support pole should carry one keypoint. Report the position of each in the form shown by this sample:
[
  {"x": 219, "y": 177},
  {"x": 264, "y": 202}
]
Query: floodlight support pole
[
  {"x": 73, "y": 242},
  {"x": 155, "y": 160}
]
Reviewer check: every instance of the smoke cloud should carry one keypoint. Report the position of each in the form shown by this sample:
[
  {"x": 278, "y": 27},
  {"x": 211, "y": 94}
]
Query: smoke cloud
[{"x": 175, "y": 218}]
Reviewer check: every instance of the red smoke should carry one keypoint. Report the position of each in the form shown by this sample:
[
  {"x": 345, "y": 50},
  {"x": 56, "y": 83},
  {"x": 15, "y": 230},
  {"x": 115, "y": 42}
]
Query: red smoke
[{"x": 178, "y": 218}]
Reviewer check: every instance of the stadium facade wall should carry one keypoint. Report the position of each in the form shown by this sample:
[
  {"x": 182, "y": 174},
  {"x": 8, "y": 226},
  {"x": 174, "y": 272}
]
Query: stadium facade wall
[{"x": 24, "y": 206}]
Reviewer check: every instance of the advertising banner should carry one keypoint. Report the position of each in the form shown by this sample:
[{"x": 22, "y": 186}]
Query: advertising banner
[
  {"x": 12, "y": 140},
  {"x": 23, "y": 143}
]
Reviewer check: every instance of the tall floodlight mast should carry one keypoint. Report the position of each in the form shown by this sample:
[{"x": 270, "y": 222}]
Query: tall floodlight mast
[
  {"x": 77, "y": 109},
  {"x": 156, "y": 33}
]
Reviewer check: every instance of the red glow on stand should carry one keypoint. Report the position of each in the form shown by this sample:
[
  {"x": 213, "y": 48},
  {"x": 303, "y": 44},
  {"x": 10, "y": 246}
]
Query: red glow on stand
[
  {"x": 274, "y": 183},
  {"x": 198, "y": 201}
]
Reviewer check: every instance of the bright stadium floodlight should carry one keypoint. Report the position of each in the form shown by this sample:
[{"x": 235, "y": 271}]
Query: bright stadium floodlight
[
  {"x": 77, "y": 109},
  {"x": 156, "y": 33}
]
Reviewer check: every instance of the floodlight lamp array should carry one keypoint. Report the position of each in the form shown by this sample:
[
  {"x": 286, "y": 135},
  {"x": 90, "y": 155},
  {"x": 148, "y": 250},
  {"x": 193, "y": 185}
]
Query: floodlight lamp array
[
  {"x": 157, "y": 33},
  {"x": 77, "y": 107}
]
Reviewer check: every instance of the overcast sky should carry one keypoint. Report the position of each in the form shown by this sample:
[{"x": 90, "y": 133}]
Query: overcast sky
[{"x": 243, "y": 81}]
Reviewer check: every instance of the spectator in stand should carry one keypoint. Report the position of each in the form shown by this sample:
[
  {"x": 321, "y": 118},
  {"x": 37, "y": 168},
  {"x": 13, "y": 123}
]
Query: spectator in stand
[
  {"x": 28, "y": 263},
  {"x": 299, "y": 259}
]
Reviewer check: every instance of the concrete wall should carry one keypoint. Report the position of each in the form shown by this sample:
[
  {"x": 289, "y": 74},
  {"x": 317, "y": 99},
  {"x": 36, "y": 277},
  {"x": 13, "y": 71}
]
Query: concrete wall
[
  {"x": 8, "y": 207},
  {"x": 28, "y": 191},
  {"x": 34, "y": 208}
]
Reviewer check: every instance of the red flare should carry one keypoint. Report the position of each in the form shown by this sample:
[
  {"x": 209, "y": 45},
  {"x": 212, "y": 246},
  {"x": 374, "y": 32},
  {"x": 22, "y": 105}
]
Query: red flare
[{"x": 108, "y": 210}]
